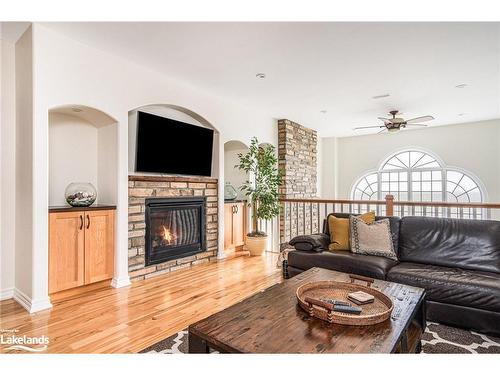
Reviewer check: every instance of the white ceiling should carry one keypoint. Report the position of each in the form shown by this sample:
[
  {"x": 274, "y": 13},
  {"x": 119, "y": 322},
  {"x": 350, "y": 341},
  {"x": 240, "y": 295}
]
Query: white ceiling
[{"x": 310, "y": 67}]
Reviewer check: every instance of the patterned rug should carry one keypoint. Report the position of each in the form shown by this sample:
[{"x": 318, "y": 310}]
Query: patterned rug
[{"x": 437, "y": 339}]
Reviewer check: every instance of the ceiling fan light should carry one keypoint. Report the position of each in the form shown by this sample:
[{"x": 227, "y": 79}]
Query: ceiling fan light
[{"x": 393, "y": 130}]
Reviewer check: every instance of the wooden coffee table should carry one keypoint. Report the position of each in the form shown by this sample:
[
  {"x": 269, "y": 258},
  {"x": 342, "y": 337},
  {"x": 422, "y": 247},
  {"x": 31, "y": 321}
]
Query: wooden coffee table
[{"x": 272, "y": 322}]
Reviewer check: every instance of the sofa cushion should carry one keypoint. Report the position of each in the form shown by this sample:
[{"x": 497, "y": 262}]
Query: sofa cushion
[
  {"x": 372, "y": 239},
  {"x": 311, "y": 242},
  {"x": 394, "y": 221},
  {"x": 339, "y": 230},
  {"x": 342, "y": 261},
  {"x": 468, "y": 244},
  {"x": 451, "y": 285}
]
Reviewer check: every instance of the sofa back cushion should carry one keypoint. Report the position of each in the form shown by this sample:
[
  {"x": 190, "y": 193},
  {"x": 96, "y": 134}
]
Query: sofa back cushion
[
  {"x": 394, "y": 222},
  {"x": 467, "y": 244}
]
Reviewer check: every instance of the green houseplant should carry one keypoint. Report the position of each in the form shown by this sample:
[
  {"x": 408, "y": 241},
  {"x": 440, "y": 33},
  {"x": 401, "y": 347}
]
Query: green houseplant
[{"x": 262, "y": 190}]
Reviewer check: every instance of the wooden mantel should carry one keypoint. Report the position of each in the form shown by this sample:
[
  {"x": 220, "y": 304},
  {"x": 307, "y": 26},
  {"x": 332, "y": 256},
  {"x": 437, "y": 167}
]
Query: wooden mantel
[{"x": 151, "y": 178}]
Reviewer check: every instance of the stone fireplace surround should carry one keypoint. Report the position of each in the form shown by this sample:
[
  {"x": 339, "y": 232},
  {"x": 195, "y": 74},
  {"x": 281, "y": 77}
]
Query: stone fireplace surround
[{"x": 142, "y": 187}]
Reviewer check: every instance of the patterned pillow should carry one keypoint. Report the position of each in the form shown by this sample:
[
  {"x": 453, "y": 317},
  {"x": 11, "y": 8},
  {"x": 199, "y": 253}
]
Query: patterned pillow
[{"x": 372, "y": 239}]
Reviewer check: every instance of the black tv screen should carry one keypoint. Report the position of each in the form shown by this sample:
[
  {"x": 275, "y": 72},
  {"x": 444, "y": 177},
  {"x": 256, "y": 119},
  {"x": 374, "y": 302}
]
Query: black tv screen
[{"x": 174, "y": 147}]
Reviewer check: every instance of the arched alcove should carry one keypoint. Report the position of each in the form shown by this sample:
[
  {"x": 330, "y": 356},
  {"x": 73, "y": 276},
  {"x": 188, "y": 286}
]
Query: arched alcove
[
  {"x": 82, "y": 148},
  {"x": 233, "y": 175},
  {"x": 174, "y": 112}
]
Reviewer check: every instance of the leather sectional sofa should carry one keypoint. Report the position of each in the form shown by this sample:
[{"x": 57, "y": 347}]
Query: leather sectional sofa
[{"x": 456, "y": 261}]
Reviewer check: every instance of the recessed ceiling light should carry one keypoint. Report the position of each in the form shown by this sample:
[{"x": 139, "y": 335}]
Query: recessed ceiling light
[
  {"x": 381, "y": 96},
  {"x": 461, "y": 114},
  {"x": 261, "y": 75},
  {"x": 323, "y": 111},
  {"x": 461, "y": 86},
  {"x": 74, "y": 109}
]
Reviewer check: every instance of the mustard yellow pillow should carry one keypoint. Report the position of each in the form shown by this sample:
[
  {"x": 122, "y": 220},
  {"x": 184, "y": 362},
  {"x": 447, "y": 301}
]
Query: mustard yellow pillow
[{"x": 339, "y": 230}]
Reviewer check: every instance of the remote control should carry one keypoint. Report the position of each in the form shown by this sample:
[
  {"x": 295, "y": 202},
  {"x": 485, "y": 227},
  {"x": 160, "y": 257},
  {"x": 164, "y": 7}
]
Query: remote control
[
  {"x": 347, "y": 309},
  {"x": 337, "y": 302}
]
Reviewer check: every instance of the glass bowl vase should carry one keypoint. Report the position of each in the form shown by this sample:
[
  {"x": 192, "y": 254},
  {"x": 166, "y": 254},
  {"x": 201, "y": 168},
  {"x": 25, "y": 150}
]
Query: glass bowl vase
[
  {"x": 80, "y": 194},
  {"x": 230, "y": 192}
]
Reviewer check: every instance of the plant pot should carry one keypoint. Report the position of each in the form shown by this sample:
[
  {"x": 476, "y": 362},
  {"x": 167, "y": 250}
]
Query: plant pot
[{"x": 256, "y": 245}]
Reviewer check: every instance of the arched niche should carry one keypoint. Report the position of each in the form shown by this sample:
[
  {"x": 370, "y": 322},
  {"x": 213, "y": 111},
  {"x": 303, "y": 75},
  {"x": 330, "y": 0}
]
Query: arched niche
[
  {"x": 233, "y": 175},
  {"x": 82, "y": 148},
  {"x": 174, "y": 112}
]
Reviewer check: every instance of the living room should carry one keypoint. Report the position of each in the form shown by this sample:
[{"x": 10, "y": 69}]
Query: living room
[{"x": 342, "y": 176}]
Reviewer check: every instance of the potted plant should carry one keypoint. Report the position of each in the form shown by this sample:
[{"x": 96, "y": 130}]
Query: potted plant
[{"x": 262, "y": 190}]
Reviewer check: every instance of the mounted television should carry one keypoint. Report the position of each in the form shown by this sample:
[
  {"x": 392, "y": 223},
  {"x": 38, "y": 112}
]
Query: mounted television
[{"x": 168, "y": 146}]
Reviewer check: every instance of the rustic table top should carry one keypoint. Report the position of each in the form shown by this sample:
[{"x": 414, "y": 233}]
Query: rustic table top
[{"x": 272, "y": 322}]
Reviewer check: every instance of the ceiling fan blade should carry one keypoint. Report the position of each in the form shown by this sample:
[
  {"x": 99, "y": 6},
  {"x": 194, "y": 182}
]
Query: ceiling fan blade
[
  {"x": 383, "y": 130},
  {"x": 416, "y": 125},
  {"x": 420, "y": 119},
  {"x": 368, "y": 127}
]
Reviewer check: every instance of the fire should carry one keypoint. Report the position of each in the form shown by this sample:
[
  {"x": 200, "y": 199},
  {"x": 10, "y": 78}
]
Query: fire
[{"x": 167, "y": 235}]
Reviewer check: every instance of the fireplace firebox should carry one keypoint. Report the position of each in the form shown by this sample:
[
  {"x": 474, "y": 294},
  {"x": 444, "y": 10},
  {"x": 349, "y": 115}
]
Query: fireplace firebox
[{"x": 175, "y": 228}]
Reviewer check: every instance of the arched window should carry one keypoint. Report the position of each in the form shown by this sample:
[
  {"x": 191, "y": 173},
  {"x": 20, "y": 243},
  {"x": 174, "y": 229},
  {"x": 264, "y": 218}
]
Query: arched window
[{"x": 414, "y": 175}]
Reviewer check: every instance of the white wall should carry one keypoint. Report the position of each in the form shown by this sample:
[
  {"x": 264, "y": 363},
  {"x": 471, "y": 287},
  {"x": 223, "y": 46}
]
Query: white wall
[
  {"x": 25, "y": 164},
  {"x": 107, "y": 147},
  {"x": 327, "y": 166},
  {"x": 474, "y": 147},
  {"x": 69, "y": 72},
  {"x": 7, "y": 170},
  {"x": 72, "y": 155},
  {"x": 81, "y": 152},
  {"x": 233, "y": 175}
]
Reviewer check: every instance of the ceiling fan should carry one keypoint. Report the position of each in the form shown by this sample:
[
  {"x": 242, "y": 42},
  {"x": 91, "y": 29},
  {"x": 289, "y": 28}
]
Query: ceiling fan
[{"x": 395, "y": 124}]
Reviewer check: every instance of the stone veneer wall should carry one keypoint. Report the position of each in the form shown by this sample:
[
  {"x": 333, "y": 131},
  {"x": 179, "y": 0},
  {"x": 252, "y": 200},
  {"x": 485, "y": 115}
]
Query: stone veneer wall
[
  {"x": 297, "y": 157},
  {"x": 142, "y": 187}
]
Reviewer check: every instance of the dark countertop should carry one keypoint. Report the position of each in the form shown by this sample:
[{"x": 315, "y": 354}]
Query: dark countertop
[
  {"x": 94, "y": 207},
  {"x": 234, "y": 200}
]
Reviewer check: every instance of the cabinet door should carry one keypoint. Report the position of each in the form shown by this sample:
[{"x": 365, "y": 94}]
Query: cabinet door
[
  {"x": 99, "y": 245},
  {"x": 239, "y": 225},
  {"x": 66, "y": 250},
  {"x": 228, "y": 225}
]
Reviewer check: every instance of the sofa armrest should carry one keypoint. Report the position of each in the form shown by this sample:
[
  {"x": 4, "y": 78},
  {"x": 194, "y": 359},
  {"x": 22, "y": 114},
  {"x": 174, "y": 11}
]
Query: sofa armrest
[{"x": 312, "y": 242}]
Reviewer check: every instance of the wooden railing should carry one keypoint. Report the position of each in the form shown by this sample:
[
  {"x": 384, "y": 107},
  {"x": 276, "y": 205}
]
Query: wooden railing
[{"x": 306, "y": 216}]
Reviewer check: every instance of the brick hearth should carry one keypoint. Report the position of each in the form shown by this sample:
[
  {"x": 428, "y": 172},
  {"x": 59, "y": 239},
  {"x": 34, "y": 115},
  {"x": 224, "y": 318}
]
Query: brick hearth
[{"x": 142, "y": 187}]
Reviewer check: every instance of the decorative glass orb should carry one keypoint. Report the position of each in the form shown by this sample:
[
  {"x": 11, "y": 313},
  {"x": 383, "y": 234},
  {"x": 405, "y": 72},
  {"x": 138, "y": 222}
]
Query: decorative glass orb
[
  {"x": 80, "y": 194},
  {"x": 230, "y": 192}
]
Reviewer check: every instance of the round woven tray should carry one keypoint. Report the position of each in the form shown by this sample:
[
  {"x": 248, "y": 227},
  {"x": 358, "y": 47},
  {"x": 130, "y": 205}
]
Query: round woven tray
[{"x": 311, "y": 296}]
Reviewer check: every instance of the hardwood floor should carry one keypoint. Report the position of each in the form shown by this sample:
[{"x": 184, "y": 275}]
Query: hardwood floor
[{"x": 129, "y": 319}]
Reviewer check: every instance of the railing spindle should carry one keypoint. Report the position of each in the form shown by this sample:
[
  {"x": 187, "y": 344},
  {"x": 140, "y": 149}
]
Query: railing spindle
[{"x": 317, "y": 213}]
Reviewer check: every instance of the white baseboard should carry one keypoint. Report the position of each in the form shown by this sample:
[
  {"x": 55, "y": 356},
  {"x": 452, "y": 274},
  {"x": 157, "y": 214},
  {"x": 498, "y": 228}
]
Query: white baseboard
[
  {"x": 7, "y": 293},
  {"x": 32, "y": 306},
  {"x": 120, "y": 282}
]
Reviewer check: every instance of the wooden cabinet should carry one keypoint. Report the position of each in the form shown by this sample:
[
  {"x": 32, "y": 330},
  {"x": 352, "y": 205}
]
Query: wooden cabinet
[
  {"x": 99, "y": 245},
  {"x": 234, "y": 225},
  {"x": 66, "y": 250},
  {"x": 81, "y": 247}
]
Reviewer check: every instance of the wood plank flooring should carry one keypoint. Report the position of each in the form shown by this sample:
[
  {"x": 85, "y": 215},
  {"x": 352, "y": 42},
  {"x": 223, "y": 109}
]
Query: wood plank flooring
[{"x": 129, "y": 319}]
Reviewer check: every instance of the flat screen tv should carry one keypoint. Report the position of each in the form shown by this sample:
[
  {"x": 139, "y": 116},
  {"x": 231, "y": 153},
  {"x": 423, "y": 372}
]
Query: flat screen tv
[{"x": 172, "y": 147}]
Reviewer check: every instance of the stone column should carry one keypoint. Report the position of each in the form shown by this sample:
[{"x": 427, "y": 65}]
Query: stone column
[{"x": 297, "y": 157}]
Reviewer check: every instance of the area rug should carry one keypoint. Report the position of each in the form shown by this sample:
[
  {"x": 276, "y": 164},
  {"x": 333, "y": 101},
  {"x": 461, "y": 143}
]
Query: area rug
[{"x": 437, "y": 339}]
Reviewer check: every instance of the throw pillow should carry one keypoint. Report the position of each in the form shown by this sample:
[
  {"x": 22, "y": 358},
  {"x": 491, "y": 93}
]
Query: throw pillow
[
  {"x": 372, "y": 239},
  {"x": 313, "y": 242},
  {"x": 339, "y": 230}
]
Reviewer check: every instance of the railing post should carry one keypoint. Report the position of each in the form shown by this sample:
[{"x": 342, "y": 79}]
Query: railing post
[{"x": 389, "y": 205}]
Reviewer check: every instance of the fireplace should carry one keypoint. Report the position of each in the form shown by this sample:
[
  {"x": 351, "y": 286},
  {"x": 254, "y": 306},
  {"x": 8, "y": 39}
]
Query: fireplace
[{"x": 175, "y": 228}]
